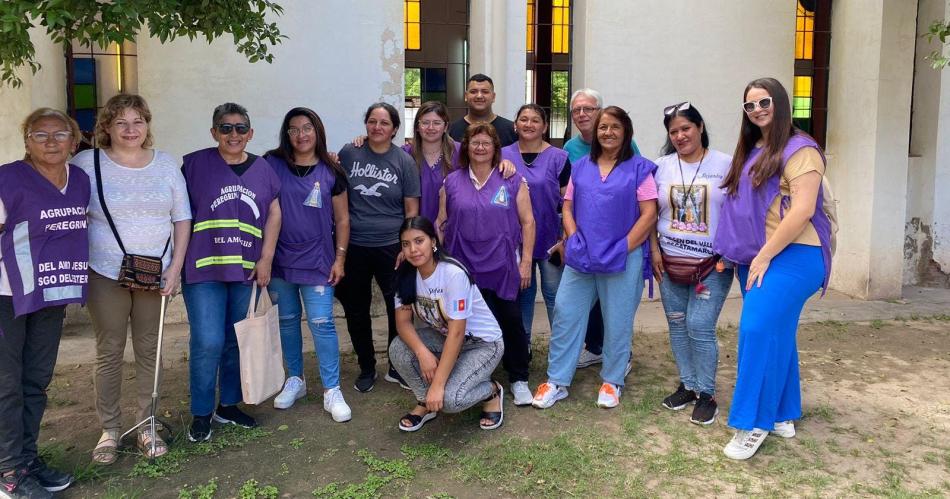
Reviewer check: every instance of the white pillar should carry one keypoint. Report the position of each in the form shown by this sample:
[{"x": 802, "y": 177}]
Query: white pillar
[
  {"x": 871, "y": 79},
  {"x": 941, "y": 198},
  {"x": 497, "y": 31}
]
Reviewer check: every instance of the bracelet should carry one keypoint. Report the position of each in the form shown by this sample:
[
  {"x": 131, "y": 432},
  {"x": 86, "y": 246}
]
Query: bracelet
[{"x": 341, "y": 249}]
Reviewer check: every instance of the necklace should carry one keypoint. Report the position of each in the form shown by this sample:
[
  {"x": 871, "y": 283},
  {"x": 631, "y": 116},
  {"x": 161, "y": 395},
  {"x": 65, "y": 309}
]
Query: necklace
[
  {"x": 430, "y": 156},
  {"x": 309, "y": 169},
  {"x": 688, "y": 193},
  {"x": 536, "y": 155}
]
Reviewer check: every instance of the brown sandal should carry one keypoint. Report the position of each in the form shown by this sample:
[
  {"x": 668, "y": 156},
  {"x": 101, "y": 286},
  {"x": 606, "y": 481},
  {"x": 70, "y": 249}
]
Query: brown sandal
[
  {"x": 107, "y": 450},
  {"x": 144, "y": 443}
]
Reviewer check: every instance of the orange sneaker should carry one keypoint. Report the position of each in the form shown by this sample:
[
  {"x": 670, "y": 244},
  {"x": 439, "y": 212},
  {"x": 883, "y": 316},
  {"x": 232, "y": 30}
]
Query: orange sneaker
[
  {"x": 547, "y": 394},
  {"x": 609, "y": 396}
]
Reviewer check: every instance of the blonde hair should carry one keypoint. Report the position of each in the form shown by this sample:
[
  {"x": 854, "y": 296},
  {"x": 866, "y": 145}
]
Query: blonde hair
[
  {"x": 48, "y": 112},
  {"x": 113, "y": 108}
]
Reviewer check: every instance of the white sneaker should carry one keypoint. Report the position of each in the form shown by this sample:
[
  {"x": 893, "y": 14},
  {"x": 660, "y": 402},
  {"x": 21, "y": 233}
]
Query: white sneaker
[
  {"x": 294, "y": 388},
  {"x": 521, "y": 393},
  {"x": 744, "y": 444},
  {"x": 547, "y": 394},
  {"x": 334, "y": 404},
  {"x": 784, "y": 429},
  {"x": 588, "y": 359},
  {"x": 609, "y": 396}
]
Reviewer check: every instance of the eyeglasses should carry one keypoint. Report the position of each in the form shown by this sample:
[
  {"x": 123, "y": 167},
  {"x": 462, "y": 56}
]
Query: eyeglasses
[
  {"x": 306, "y": 130},
  {"x": 763, "y": 103},
  {"x": 431, "y": 124},
  {"x": 585, "y": 110},
  {"x": 226, "y": 128},
  {"x": 481, "y": 145},
  {"x": 670, "y": 110},
  {"x": 43, "y": 137}
]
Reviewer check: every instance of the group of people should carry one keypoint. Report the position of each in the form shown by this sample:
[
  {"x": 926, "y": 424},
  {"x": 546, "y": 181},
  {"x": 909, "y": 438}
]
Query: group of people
[{"x": 459, "y": 228}]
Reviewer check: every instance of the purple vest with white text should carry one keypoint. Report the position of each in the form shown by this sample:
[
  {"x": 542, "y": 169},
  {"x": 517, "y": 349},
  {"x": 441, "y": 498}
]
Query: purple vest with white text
[
  {"x": 482, "y": 229},
  {"x": 45, "y": 244},
  {"x": 230, "y": 213},
  {"x": 545, "y": 187},
  {"x": 741, "y": 232},
  {"x": 605, "y": 212}
]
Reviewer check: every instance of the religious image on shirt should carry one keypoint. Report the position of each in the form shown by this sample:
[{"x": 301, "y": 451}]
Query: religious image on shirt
[
  {"x": 430, "y": 312},
  {"x": 314, "y": 200},
  {"x": 689, "y": 210}
]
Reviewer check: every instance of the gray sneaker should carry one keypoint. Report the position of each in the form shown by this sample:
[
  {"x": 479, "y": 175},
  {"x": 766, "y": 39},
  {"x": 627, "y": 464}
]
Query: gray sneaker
[{"x": 589, "y": 358}]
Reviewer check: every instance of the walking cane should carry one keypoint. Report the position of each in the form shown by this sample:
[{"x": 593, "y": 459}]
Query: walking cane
[{"x": 151, "y": 420}]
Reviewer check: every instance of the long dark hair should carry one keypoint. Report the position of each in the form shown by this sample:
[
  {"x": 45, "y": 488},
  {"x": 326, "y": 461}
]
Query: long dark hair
[
  {"x": 770, "y": 161},
  {"x": 406, "y": 273},
  {"x": 626, "y": 152},
  {"x": 448, "y": 144},
  {"x": 285, "y": 150},
  {"x": 692, "y": 115}
]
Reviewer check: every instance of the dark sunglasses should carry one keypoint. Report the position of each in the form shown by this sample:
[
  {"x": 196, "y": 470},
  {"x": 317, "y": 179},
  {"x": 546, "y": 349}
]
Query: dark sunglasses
[
  {"x": 669, "y": 110},
  {"x": 225, "y": 128},
  {"x": 763, "y": 103}
]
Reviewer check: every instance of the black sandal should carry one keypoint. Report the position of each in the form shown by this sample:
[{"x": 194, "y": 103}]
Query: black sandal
[
  {"x": 496, "y": 418},
  {"x": 417, "y": 421}
]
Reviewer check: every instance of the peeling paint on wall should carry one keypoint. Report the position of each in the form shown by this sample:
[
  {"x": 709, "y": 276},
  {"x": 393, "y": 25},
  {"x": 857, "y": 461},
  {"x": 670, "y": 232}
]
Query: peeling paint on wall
[
  {"x": 393, "y": 68},
  {"x": 919, "y": 266}
]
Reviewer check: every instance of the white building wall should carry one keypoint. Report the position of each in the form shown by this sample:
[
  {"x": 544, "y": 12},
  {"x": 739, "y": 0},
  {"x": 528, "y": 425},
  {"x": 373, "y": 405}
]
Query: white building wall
[
  {"x": 646, "y": 55},
  {"x": 337, "y": 60},
  {"x": 497, "y": 48}
]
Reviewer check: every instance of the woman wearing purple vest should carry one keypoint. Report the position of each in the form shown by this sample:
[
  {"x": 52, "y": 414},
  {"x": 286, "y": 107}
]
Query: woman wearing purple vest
[
  {"x": 234, "y": 200},
  {"x": 436, "y": 154},
  {"x": 547, "y": 170},
  {"x": 310, "y": 254},
  {"x": 489, "y": 227},
  {"x": 772, "y": 225},
  {"x": 609, "y": 212},
  {"x": 44, "y": 250}
]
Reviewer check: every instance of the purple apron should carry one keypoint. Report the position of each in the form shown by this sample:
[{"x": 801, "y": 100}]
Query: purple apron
[
  {"x": 483, "y": 231},
  {"x": 45, "y": 244},
  {"x": 604, "y": 212},
  {"x": 430, "y": 182},
  {"x": 741, "y": 232},
  {"x": 543, "y": 181},
  {"x": 306, "y": 246},
  {"x": 230, "y": 213}
]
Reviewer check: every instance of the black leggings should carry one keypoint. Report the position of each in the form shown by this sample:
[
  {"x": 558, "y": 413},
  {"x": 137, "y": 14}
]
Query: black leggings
[
  {"x": 355, "y": 292},
  {"x": 508, "y": 314}
]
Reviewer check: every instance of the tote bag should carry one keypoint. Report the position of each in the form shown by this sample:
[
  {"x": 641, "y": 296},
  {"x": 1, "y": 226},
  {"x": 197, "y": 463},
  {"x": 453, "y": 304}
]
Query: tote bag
[{"x": 262, "y": 362}]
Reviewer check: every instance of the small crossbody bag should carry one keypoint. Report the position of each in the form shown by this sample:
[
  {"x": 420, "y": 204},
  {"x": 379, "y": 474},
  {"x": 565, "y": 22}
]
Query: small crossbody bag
[
  {"x": 688, "y": 270},
  {"x": 137, "y": 272}
]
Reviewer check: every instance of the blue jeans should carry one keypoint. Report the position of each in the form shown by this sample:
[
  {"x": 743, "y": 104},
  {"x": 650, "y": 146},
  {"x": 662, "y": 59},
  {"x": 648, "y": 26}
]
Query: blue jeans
[
  {"x": 550, "y": 279},
  {"x": 619, "y": 295},
  {"x": 213, "y": 308},
  {"x": 692, "y": 318},
  {"x": 318, "y": 301},
  {"x": 768, "y": 387}
]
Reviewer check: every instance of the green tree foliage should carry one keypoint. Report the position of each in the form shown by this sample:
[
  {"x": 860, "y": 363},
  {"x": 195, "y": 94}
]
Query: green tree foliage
[
  {"x": 100, "y": 22},
  {"x": 940, "y": 30}
]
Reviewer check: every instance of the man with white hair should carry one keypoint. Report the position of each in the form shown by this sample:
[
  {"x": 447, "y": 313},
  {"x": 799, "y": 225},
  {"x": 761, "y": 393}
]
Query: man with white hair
[{"x": 585, "y": 104}]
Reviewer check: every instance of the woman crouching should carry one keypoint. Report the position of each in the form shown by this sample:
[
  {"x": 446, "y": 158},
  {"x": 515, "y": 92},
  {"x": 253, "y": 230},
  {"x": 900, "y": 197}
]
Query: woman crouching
[{"x": 449, "y": 362}]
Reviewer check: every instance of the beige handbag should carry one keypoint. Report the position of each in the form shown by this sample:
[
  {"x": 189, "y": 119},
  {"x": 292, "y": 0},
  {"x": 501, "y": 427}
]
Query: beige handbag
[{"x": 262, "y": 361}]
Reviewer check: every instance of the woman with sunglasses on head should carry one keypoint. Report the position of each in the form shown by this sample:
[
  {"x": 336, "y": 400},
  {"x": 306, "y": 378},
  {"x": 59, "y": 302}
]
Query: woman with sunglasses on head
[
  {"x": 609, "y": 212},
  {"x": 145, "y": 199},
  {"x": 383, "y": 190},
  {"x": 237, "y": 217},
  {"x": 773, "y": 227},
  {"x": 448, "y": 363},
  {"x": 547, "y": 170},
  {"x": 308, "y": 260},
  {"x": 693, "y": 289},
  {"x": 44, "y": 251},
  {"x": 489, "y": 227}
]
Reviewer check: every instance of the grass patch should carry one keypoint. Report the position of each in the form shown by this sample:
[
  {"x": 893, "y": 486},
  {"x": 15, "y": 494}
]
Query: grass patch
[
  {"x": 253, "y": 490},
  {"x": 205, "y": 491},
  {"x": 381, "y": 472},
  {"x": 820, "y": 412},
  {"x": 877, "y": 324},
  {"x": 181, "y": 452}
]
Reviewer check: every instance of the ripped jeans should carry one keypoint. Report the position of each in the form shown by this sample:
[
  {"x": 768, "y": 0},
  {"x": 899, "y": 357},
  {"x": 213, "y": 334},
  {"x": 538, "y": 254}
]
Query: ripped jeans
[
  {"x": 692, "y": 320},
  {"x": 318, "y": 302}
]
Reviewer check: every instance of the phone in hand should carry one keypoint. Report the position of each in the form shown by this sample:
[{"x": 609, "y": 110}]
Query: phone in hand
[{"x": 554, "y": 256}]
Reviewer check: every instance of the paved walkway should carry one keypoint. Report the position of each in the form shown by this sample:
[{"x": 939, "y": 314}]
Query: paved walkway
[{"x": 78, "y": 345}]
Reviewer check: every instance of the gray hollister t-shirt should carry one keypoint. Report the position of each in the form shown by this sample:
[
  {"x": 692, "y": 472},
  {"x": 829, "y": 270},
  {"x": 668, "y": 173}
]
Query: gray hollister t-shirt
[{"x": 378, "y": 183}]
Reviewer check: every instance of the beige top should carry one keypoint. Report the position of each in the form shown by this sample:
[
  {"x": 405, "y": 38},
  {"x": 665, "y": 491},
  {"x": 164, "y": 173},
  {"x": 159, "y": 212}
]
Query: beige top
[{"x": 806, "y": 159}]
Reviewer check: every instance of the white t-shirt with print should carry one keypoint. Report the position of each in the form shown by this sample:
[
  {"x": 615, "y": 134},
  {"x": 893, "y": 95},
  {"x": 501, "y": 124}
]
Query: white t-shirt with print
[
  {"x": 449, "y": 294},
  {"x": 688, "y": 220}
]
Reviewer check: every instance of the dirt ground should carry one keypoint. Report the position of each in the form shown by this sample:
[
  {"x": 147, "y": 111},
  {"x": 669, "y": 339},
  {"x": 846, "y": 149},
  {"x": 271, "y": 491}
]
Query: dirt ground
[{"x": 877, "y": 423}]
